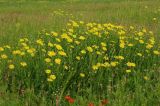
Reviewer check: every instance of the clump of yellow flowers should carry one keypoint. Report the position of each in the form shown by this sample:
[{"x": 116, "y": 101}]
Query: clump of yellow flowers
[{"x": 83, "y": 52}]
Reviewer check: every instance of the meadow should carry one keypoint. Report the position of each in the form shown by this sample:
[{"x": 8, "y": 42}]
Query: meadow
[{"x": 80, "y": 53}]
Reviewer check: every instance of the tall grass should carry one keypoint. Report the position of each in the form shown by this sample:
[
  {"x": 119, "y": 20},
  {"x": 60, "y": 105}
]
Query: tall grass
[
  {"x": 80, "y": 62},
  {"x": 92, "y": 56}
]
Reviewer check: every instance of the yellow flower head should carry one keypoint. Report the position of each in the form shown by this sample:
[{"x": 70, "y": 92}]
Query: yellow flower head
[
  {"x": 62, "y": 53},
  {"x": 50, "y": 44},
  {"x": 82, "y": 75},
  {"x": 83, "y": 51},
  {"x": 130, "y": 64},
  {"x": 78, "y": 57},
  {"x": 89, "y": 49},
  {"x": 53, "y": 77},
  {"x": 23, "y": 64},
  {"x": 95, "y": 67},
  {"x": 82, "y": 38},
  {"x": 51, "y": 53},
  {"x": 114, "y": 64},
  {"x": 59, "y": 47},
  {"x": 11, "y": 66},
  {"x": 141, "y": 41},
  {"x": 40, "y": 42},
  {"x": 119, "y": 57},
  {"x": 16, "y": 52},
  {"x": 4, "y": 56},
  {"x": 156, "y": 52},
  {"x": 139, "y": 54},
  {"x": 103, "y": 44},
  {"x": 47, "y": 60},
  {"x": 128, "y": 71},
  {"x": 48, "y": 71},
  {"x": 57, "y": 61},
  {"x": 54, "y": 34},
  {"x": 1, "y": 49},
  {"x": 146, "y": 78}
]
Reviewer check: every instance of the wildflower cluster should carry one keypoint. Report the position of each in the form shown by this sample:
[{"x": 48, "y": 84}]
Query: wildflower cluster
[{"x": 79, "y": 56}]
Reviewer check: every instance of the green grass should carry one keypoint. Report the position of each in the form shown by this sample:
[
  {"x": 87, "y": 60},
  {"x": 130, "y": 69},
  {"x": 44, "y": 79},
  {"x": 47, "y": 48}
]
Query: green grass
[{"x": 28, "y": 18}]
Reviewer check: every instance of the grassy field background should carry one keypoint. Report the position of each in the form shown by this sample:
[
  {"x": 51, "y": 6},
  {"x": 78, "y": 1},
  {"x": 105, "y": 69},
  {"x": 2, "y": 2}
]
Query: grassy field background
[
  {"x": 19, "y": 19},
  {"x": 27, "y": 18}
]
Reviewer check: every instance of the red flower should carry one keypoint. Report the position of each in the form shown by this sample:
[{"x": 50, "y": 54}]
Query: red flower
[
  {"x": 104, "y": 102},
  {"x": 71, "y": 100},
  {"x": 67, "y": 97},
  {"x": 90, "y": 104}
]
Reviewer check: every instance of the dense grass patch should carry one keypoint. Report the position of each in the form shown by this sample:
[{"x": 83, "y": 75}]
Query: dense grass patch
[
  {"x": 92, "y": 56},
  {"x": 111, "y": 56}
]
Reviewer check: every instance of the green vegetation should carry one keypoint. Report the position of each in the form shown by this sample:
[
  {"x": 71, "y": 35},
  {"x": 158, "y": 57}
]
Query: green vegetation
[{"x": 94, "y": 51}]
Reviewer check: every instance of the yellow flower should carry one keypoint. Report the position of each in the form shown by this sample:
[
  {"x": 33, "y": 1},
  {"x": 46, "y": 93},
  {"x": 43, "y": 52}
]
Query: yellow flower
[
  {"x": 82, "y": 38},
  {"x": 144, "y": 30},
  {"x": 22, "y": 53},
  {"x": 104, "y": 48},
  {"x": 47, "y": 60},
  {"x": 51, "y": 53},
  {"x": 154, "y": 19},
  {"x": 89, "y": 49},
  {"x": 128, "y": 71},
  {"x": 40, "y": 42},
  {"x": 77, "y": 42},
  {"x": 75, "y": 24},
  {"x": 4, "y": 56},
  {"x": 119, "y": 57},
  {"x": 140, "y": 33},
  {"x": 71, "y": 30},
  {"x": 69, "y": 40},
  {"x": 103, "y": 44},
  {"x": 1, "y": 49},
  {"x": 50, "y": 44},
  {"x": 139, "y": 54},
  {"x": 106, "y": 64},
  {"x": 130, "y": 64},
  {"x": 21, "y": 40},
  {"x": 149, "y": 46},
  {"x": 53, "y": 77},
  {"x": 82, "y": 75},
  {"x": 146, "y": 78},
  {"x": 78, "y": 58},
  {"x": 122, "y": 45},
  {"x": 113, "y": 64},
  {"x": 64, "y": 35},
  {"x": 95, "y": 67},
  {"x": 83, "y": 51},
  {"x": 121, "y": 32},
  {"x": 66, "y": 67},
  {"x": 58, "y": 40},
  {"x": 57, "y": 61},
  {"x": 81, "y": 22},
  {"x": 11, "y": 66},
  {"x": 130, "y": 44},
  {"x": 98, "y": 52},
  {"x": 7, "y": 46},
  {"x": 131, "y": 27},
  {"x": 141, "y": 41},
  {"x": 16, "y": 52},
  {"x": 48, "y": 71},
  {"x": 156, "y": 52},
  {"x": 62, "y": 53},
  {"x": 49, "y": 80},
  {"x": 59, "y": 47},
  {"x": 54, "y": 34},
  {"x": 23, "y": 64}
]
